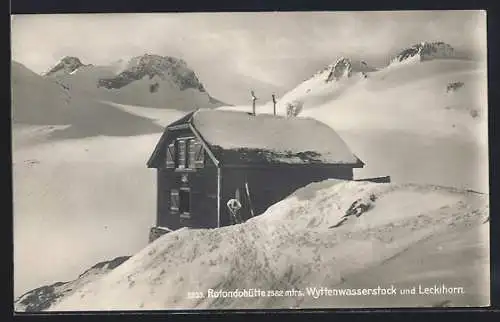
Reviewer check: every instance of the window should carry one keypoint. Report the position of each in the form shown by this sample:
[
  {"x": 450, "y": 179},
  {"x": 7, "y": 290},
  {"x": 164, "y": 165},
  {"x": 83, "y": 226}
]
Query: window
[
  {"x": 191, "y": 153},
  {"x": 198, "y": 155},
  {"x": 181, "y": 157},
  {"x": 180, "y": 202},
  {"x": 185, "y": 202},
  {"x": 170, "y": 156},
  {"x": 185, "y": 153}
]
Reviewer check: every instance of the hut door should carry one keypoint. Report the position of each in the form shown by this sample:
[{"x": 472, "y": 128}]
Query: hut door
[{"x": 185, "y": 211}]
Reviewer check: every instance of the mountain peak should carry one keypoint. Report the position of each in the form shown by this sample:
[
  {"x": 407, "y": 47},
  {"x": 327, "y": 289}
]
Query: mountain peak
[
  {"x": 151, "y": 65},
  {"x": 425, "y": 51},
  {"x": 154, "y": 64},
  {"x": 345, "y": 67},
  {"x": 67, "y": 65}
]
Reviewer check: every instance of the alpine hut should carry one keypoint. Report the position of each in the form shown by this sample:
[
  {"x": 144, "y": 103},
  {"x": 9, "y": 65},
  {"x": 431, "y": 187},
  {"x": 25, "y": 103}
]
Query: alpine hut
[{"x": 210, "y": 158}]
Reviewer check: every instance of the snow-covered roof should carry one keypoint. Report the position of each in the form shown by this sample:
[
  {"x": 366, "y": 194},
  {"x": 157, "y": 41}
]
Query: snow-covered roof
[{"x": 276, "y": 138}]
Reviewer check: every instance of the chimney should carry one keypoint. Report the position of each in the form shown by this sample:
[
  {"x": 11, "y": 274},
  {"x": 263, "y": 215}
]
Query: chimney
[
  {"x": 274, "y": 104},
  {"x": 253, "y": 103}
]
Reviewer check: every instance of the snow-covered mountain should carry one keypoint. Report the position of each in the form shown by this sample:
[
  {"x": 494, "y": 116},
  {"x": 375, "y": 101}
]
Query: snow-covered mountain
[
  {"x": 90, "y": 97},
  {"x": 401, "y": 235},
  {"x": 426, "y": 101},
  {"x": 155, "y": 66},
  {"x": 334, "y": 78},
  {"x": 147, "y": 80},
  {"x": 345, "y": 68},
  {"x": 38, "y": 100},
  {"x": 425, "y": 51},
  {"x": 67, "y": 65}
]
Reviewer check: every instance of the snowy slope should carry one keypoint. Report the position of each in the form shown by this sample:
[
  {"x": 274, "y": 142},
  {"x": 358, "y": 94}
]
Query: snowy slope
[
  {"x": 407, "y": 97},
  {"x": 332, "y": 80},
  {"x": 39, "y": 101},
  {"x": 45, "y": 296},
  {"x": 404, "y": 122},
  {"x": 35, "y": 100},
  {"x": 83, "y": 191},
  {"x": 74, "y": 200},
  {"x": 422, "y": 120},
  {"x": 162, "y": 117},
  {"x": 310, "y": 239},
  {"x": 84, "y": 79}
]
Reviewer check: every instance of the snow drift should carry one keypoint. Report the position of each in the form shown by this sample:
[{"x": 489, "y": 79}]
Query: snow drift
[{"x": 313, "y": 238}]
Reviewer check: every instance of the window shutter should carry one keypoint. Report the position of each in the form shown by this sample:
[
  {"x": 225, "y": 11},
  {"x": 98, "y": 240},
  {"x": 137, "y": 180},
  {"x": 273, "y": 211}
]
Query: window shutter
[
  {"x": 191, "y": 153},
  {"x": 182, "y": 154},
  {"x": 199, "y": 155},
  {"x": 169, "y": 158},
  {"x": 174, "y": 200}
]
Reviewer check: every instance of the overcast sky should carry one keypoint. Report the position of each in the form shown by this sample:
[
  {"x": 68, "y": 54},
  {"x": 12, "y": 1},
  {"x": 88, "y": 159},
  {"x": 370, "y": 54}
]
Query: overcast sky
[{"x": 266, "y": 49}]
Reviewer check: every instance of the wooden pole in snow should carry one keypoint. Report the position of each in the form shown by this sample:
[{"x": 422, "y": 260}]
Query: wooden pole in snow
[
  {"x": 274, "y": 104},
  {"x": 247, "y": 190},
  {"x": 253, "y": 102}
]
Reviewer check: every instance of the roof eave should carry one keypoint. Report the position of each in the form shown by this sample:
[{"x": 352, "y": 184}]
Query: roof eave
[
  {"x": 358, "y": 163},
  {"x": 292, "y": 164}
]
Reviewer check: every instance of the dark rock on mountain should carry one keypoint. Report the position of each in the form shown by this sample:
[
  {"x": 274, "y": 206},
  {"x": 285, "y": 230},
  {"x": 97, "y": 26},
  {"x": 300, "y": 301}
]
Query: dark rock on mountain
[
  {"x": 43, "y": 297},
  {"x": 66, "y": 65},
  {"x": 155, "y": 66}
]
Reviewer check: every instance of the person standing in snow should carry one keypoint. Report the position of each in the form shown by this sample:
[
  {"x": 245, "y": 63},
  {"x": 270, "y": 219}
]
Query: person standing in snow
[{"x": 234, "y": 205}]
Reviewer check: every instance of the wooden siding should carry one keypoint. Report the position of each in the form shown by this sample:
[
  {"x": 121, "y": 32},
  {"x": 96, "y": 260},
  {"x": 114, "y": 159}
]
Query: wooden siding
[{"x": 202, "y": 186}]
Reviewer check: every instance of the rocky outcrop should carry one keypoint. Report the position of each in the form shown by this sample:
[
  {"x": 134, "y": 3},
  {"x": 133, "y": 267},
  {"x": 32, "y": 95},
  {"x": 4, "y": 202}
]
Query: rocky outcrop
[
  {"x": 425, "y": 51},
  {"x": 43, "y": 297}
]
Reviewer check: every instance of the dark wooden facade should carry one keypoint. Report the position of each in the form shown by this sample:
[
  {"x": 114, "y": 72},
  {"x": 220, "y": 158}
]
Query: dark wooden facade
[
  {"x": 261, "y": 187},
  {"x": 194, "y": 183},
  {"x": 196, "y": 187}
]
